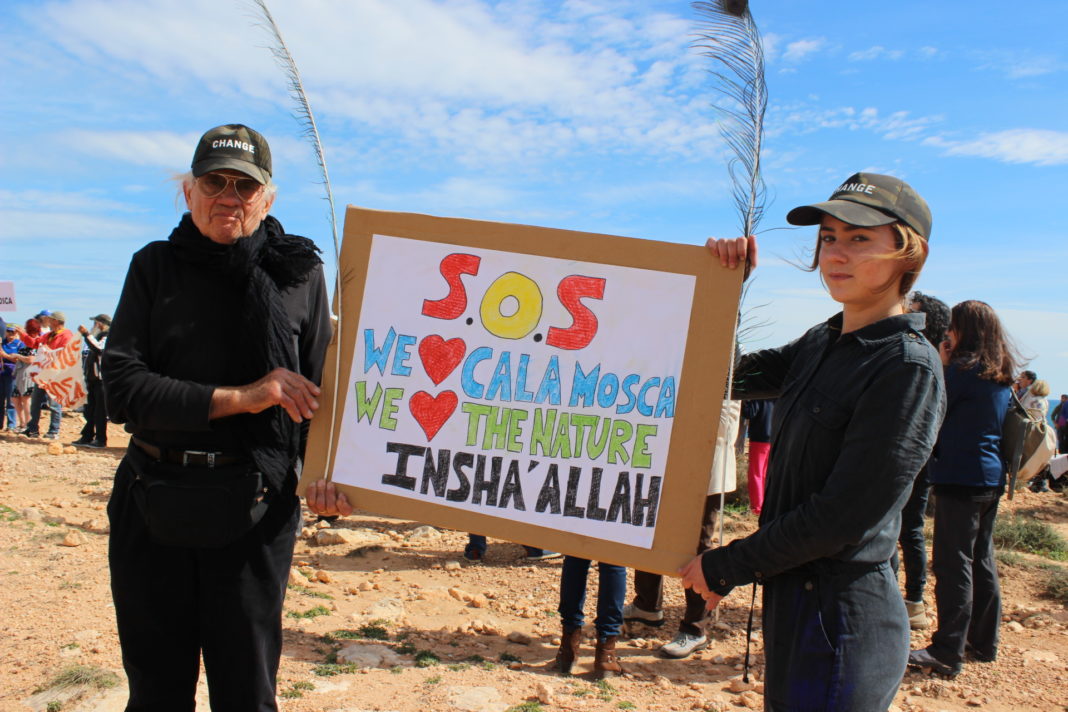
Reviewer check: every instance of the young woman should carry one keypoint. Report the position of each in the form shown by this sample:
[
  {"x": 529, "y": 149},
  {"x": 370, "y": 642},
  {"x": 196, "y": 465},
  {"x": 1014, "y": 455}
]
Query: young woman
[
  {"x": 860, "y": 401},
  {"x": 968, "y": 478}
]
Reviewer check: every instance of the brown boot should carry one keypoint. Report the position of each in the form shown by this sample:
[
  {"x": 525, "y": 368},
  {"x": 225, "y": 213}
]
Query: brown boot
[
  {"x": 569, "y": 650},
  {"x": 605, "y": 662}
]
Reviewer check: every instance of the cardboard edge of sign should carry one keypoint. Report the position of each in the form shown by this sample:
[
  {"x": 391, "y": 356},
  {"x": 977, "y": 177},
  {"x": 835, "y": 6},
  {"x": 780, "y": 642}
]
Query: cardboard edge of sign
[{"x": 709, "y": 347}]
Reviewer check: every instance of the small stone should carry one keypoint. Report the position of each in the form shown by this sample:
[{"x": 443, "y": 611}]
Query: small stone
[
  {"x": 32, "y": 514},
  {"x": 475, "y": 699},
  {"x": 662, "y": 682},
  {"x": 719, "y": 660},
  {"x": 976, "y": 701},
  {"x": 387, "y": 608},
  {"x": 73, "y": 538},
  {"x": 366, "y": 586},
  {"x": 322, "y": 576},
  {"x": 55, "y": 448},
  {"x": 368, "y": 656},
  {"x": 545, "y": 693},
  {"x": 458, "y": 593},
  {"x": 737, "y": 685},
  {"x": 479, "y": 601},
  {"x": 70, "y": 450},
  {"x": 323, "y": 524},
  {"x": 519, "y": 637},
  {"x": 295, "y": 578},
  {"x": 1014, "y": 626},
  {"x": 424, "y": 533},
  {"x": 752, "y": 700},
  {"x": 307, "y": 533},
  {"x": 452, "y": 565},
  {"x": 721, "y": 626}
]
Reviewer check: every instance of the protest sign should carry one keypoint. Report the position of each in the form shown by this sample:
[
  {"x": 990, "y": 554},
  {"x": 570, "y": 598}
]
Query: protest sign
[
  {"x": 555, "y": 388},
  {"x": 59, "y": 373},
  {"x": 7, "y": 297}
]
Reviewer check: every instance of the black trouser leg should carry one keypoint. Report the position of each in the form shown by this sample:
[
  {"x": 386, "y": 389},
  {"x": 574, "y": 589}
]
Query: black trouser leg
[
  {"x": 171, "y": 603},
  {"x": 913, "y": 545},
  {"x": 967, "y": 592},
  {"x": 648, "y": 587}
]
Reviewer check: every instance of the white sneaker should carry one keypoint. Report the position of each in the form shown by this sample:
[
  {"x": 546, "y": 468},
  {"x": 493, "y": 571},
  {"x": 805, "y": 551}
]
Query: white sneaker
[
  {"x": 649, "y": 618},
  {"x": 683, "y": 645}
]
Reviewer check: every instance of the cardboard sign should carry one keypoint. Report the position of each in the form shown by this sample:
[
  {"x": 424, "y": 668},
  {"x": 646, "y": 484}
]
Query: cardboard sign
[
  {"x": 555, "y": 388},
  {"x": 59, "y": 373},
  {"x": 7, "y": 297}
]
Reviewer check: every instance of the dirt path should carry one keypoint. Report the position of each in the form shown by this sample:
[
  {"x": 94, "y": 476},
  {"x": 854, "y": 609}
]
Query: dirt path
[{"x": 457, "y": 636}]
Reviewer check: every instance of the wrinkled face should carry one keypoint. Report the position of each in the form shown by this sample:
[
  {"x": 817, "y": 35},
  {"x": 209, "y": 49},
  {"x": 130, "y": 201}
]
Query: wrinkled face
[
  {"x": 850, "y": 262},
  {"x": 226, "y": 217}
]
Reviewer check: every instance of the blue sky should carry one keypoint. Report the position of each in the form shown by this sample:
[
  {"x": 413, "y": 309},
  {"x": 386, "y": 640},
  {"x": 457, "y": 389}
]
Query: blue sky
[{"x": 589, "y": 115}]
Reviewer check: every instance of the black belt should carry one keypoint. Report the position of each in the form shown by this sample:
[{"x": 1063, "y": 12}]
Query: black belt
[{"x": 188, "y": 458}]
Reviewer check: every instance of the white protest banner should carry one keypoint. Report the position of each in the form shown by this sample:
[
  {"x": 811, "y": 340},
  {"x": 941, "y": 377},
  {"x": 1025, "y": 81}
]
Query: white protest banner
[
  {"x": 7, "y": 297},
  {"x": 555, "y": 388},
  {"x": 59, "y": 373}
]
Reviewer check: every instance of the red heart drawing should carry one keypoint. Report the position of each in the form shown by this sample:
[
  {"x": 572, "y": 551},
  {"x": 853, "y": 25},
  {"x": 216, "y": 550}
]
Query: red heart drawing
[
  {"x": 440, "y": 357},
  {"x": 431, "y": 412}
]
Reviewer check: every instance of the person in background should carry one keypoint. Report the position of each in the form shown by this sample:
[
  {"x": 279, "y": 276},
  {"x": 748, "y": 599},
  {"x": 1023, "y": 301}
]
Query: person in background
[
  {"x": 911, "y": 539},
  {"x": 1022, "y": 389},
  {"x": 30, "y": 335},
  {"x": 758, "y": 414},
  {"x": 57, "y": 337},
  {"x": 8, "y": 362},
  {"x": 1038, "y": 392},
  {"x": 647, "y": 607},
  {"x": 860, "y": 398},
  {"x": 95, "y": 432},
  {"x": 968, "y": 476},
  {"x": 1060, "y": 420}
]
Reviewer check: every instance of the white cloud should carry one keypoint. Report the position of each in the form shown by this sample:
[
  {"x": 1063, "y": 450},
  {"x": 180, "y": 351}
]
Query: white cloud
[
  {"x": 1022, "y": 65},
  {"x": 160, "y": 149},
  {"x": 1040, "y": 147},
  {"x": 495, "y": 83},
  {"x": 803, "y": 118},
  {"x": 800, "y": 49},
  {"x": 876, "y": 52}
]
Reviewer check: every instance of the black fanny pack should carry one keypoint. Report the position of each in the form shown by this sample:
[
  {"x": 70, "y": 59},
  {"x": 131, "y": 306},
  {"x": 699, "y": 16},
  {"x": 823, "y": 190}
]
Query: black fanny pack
[{"x": 198, "y": 506}]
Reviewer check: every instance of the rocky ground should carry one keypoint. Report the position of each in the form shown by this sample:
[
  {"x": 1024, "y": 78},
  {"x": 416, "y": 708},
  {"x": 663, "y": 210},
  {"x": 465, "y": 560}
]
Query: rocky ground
[{"x": 383, "y": 614}]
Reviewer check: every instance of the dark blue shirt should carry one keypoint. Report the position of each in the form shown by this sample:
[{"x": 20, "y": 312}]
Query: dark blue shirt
[
  {"x": 968, "y": 451},
  {"x": 856, "y": 419}
]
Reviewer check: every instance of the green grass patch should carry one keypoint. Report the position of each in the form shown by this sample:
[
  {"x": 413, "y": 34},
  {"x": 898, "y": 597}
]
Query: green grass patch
[
  {"x": 1057, "y": 586},
  {"x": 82, "y": 676},
  {"x": 1026, "y": 534},
  {"x": 475, "y": 659},
  {"x": 304, "y": 590},
  {"x": 296, "y": 690},
  {"x": 507, "y": 657},
  {"x": 626, "y": 705},
  {"x": 605, "y": 690},
  {"x": 432, "y": 680},
  {"x": 405, "y": 648},
  {"x": 426, "y": 658},
  {"x": 54, "y": 706},
  {"x": 70, "y": 585},
  {"x": 333, "y": 669},
  {"x": 310, "y": 613},
  {"x": 364, "y": 632},
  {"x": 530, "y": 706},
  {"x": 459, "y": 667},
  {"x": 7, "y": 513}
]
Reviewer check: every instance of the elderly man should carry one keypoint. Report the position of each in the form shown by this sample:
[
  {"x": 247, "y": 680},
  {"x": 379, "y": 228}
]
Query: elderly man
[{"x": 203, "y": 512}]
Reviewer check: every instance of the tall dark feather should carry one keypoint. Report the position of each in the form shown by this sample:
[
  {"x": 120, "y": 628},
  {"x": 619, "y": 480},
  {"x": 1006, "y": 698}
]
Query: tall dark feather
[
  {"x": 728, "y": 36},
  {"x": 306, "y": 118}
]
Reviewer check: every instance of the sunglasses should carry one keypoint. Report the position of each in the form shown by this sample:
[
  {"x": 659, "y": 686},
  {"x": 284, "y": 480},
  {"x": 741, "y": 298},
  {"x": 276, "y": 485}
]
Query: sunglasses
[{"x": 212, "y": 185}]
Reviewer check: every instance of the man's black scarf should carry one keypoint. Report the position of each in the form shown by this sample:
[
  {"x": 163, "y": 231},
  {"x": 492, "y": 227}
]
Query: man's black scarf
[{"x": 264, "y": 264}]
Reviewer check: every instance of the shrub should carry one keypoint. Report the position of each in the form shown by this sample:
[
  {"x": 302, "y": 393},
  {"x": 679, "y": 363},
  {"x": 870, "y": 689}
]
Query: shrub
[{"x": 1030, "y": 535}]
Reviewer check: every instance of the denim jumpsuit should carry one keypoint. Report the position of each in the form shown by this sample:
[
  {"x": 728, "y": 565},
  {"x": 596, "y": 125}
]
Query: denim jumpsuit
[{"x": 857, "y": 416}]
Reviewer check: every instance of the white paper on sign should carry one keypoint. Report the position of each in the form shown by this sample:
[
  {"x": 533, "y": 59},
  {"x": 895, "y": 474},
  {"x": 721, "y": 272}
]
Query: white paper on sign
[
  {"x": 530, "y": 388},
  {"x": 59, "y": 373},
  {"x": 7, "y": 297}
]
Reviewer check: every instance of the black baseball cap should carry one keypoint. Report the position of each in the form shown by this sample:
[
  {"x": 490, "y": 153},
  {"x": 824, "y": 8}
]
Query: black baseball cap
[
  {"x": 233, "y": 146},
  {"x": 869, "y": 200}
]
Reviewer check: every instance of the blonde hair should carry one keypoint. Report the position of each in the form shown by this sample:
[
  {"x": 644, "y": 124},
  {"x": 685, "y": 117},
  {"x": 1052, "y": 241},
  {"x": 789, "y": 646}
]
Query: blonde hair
[
  {"x": 911, "y": 251},
  {"x": 1040, "y": 388}
]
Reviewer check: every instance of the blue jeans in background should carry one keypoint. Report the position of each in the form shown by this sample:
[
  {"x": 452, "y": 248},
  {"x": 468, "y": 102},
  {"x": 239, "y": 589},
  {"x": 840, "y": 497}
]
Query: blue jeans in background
[
  {"x": 610, "y": 596},
  {"x": 39, "y": 400}
]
